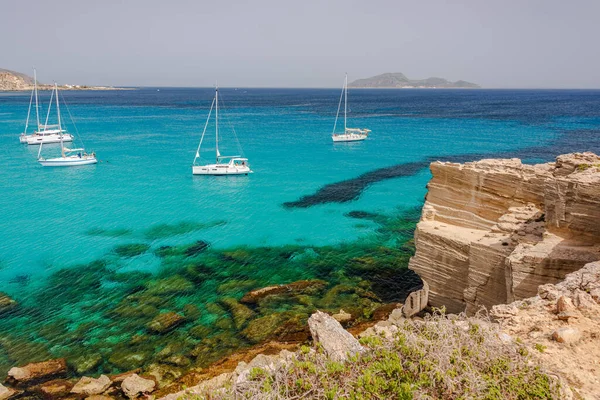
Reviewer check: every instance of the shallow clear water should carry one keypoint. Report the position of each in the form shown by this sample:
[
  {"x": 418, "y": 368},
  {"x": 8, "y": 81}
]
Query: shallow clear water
[{"x": 142, "y": 193}]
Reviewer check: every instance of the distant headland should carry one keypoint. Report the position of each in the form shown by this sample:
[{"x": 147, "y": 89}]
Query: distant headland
[
  {"x": 398, "y": 80},
  {"x": 12, "y": 81}
]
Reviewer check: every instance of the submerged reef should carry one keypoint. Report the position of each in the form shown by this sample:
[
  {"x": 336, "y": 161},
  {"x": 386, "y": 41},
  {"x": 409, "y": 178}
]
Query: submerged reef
[{"x": 202, "y": 304}]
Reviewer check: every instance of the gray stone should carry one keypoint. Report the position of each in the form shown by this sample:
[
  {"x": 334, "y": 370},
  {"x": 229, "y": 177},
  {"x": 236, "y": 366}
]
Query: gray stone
[
  {"x": 566, "y": 335},
  {"x": 134, "y": 385},
  {"x": 337, "y": 343},
  {"x": 90, "y": 386}
]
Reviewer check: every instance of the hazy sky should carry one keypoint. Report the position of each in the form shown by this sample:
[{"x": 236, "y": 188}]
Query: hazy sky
[{"x": 303, "y": 43}]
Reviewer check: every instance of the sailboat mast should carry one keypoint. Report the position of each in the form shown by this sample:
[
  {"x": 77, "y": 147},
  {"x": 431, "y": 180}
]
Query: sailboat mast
[
  {"x": 345, "y": 100},
  {"x": 37, "y": 111},
  {"x": 217, "y": 120},
  {"x": 62, "y": 147}
]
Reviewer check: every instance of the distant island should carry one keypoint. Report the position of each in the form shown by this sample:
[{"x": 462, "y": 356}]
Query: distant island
[
  {"x": 399, "y": 80},
  {"x": 12, "y": 81}
]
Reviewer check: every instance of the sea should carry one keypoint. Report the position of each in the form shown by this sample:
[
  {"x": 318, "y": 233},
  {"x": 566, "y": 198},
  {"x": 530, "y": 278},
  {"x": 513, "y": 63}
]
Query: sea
[{"x": 136, "y": 263}]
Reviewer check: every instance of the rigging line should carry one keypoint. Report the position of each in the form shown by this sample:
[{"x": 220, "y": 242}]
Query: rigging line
[
  {"x": 72, "y": 120},
  {"x": 338, "y": 112},
  {"x": 49, "y": 108},
  {"x": 228, "y": 121},
  {"x": 28, "y": 112},
  {"x": 203, "y": 132}
]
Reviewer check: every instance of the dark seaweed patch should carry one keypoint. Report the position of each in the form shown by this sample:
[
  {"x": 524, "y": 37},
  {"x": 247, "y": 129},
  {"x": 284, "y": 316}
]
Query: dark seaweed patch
[{"x": 131, "y": 250}]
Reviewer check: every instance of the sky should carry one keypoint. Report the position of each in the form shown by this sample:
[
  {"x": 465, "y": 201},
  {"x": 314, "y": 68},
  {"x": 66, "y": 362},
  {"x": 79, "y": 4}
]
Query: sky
[{"x": 303, "y": 43}]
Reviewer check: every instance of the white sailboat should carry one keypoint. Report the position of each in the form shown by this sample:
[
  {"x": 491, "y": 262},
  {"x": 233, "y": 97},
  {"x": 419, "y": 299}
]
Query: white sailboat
[
  {"x": 69, "y": 157},
  {"x": 237, "y": 165},
  {"x": 44, "y": 134},
  {"x": 350, "y": 134}
]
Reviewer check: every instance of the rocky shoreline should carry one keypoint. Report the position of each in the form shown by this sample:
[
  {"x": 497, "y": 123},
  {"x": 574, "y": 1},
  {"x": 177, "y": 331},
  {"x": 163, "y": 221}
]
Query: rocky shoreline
[{"x": 492, "y": 232}]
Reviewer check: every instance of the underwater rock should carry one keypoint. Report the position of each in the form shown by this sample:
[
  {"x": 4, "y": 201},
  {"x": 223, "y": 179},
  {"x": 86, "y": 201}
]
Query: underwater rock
[
  {"x": 285, "y": 326},
  {"x": 197, "y": 248},
  {"x": 199, "y": 331},
  {"x": 337, "y": 343},
  {"x": 224, "y": 323},
  {"x": 127, "y": 310},
  {"x": 134, "y": 386},
  {"x": 166, "y": 321},
  {"x": 240, "y": 313},
  {"x": 178, "y": 361},
  {"x": 191, "y": 312},
  {"x": 37, "y": 371},
  {"x": 56, "y": 388},
  {"x": 235, "y": 286},
  {"x": 6, "y": 303},
  {"x": 164, "y": 374},
  {"x": 131, "y": 250},
  {"x": 85, "y": 363},
  {"x": 305, "y": 287},
  {"x": 170, "y": 285},
  {"x": 126, "y": 361},
  {"x": 90, "y": 386}
]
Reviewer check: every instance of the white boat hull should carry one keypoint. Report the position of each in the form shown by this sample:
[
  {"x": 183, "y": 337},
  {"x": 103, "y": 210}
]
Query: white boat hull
[
  {"x": 220, "y": 170},
  {"x": 69, "y": 161},
  {"x": 46, "y": 139},
  {"x": 352, "y": 137}
]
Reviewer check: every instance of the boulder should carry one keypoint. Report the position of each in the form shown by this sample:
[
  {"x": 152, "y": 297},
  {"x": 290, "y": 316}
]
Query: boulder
[
  {"x": 164, "y": 322},
  {"x": 37, "y": 371},
  {"x": 134, "y": 385},
  {"x": 56, "y": 388},
  {"x": 90, "y": 386},
  {"x": 337, "y": 343},
  {"x": 566, "y": 335}
]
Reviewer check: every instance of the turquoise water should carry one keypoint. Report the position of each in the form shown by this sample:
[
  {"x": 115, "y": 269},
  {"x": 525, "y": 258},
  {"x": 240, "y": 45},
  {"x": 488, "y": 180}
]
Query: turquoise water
[{"x": 61, "y": 229}]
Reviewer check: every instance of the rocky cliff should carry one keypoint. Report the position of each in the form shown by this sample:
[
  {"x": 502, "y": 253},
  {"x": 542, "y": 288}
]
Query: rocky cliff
[
  {"x": 492, "y": 231},
  {"x": 10, "y": 80}
]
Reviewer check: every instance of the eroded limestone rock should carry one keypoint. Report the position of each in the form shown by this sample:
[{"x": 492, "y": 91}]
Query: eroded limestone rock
[
  {"x": 134, "y": 386},
  {"x": 38, "y": 371},
  {"x": 337, "y": 343},
  {"x": 493, "y": 231},
  {"x": 90, "y": 386}
]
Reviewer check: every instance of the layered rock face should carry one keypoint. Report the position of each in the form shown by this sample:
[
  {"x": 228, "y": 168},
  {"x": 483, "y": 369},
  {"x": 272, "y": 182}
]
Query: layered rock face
[{"x": 492, "y": 231}]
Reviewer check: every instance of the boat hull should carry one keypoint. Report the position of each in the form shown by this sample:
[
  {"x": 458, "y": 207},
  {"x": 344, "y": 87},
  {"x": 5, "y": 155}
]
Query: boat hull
[
  {"x": 46, "y": 139},
  {"x": 219, "y": 170},
  {"x": 72, "y": 161},
  {"x": 348, "y": 137}
]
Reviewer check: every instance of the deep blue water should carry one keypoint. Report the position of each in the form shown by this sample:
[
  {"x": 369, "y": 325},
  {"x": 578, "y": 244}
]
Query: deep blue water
[{"x": 143, "y": 191}]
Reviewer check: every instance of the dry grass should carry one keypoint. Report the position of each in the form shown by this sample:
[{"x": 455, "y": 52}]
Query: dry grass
[{"x": 440, "y": 358}]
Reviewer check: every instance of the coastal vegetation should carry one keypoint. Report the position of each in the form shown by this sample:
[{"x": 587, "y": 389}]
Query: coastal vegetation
[{"x": 440, "y": 357}]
